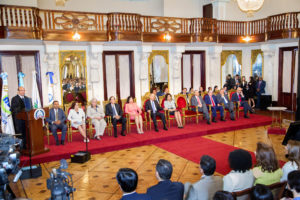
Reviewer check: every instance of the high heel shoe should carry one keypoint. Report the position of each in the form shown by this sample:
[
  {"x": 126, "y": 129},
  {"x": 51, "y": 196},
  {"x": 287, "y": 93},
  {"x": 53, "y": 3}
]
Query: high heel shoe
[
  {"x": 86, "y": 140},
  {"x": 97, "y": 138}
]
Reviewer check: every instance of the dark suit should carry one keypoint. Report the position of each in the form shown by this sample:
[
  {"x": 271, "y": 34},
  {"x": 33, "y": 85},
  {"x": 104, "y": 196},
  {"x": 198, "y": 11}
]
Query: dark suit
[
  {"x": 62, "y": 126},
  {"x": 202, "y": 109},
  {"x": 136, "y": 196},
  {"x": 166, "y": 190},
  {"x": 109, "y": 112},
  {"x": 261, "y": 86},
  {"x": 238, "y": 98},
  {"x": 155, "y": 113},
  {"x": 228, "y": 104},
  {"x": 214, "y": 108},
  {"x": 19, "y": 105},
  {"x": 160, "y": 93}
]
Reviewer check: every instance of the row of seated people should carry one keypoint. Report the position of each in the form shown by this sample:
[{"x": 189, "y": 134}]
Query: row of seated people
[
  {"x": 265, "y": 181},
  {"x": 188, "y": 106}
]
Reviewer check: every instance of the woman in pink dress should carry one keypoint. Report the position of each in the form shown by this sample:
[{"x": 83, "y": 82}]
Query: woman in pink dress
[{"x": 135, "y": 113}]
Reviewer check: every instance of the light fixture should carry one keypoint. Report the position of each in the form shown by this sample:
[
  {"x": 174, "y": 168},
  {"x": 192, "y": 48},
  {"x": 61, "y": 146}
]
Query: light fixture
[
  {"x": 247, "y": 38},
  {"x": 167, "y": 37},
  {"x": 250, "y": 6},
  {"x": 60, "y": 2},
  {"x": 76, "y": 36}
]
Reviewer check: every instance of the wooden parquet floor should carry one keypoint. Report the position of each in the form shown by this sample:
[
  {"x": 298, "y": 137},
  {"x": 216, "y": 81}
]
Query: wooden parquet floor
[{"x": 96, "y": 178}]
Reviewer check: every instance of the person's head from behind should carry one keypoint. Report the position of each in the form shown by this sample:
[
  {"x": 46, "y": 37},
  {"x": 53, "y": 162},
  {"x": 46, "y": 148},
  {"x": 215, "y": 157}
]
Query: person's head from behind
[
  {"x": 207, "y": 165},
  {"x": 21, "y": 91},
  {"x": 294, "y": 182},
  {"x": 168, "y": 97},
  {"x": 164, "y": 170},
  {"x": 262, "y": 192},
  {"x": 266, "y": 158},
  {"x": 293, "y": 151},
  {"x": 240, "y": 160},
  {"x": 223, "y": 195},
  {"x": 55, "y": 104},
  {"x": 127, "y": 179}
]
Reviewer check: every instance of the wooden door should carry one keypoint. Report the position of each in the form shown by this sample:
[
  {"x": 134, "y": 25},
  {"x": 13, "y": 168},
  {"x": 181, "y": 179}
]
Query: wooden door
[
  {"x": 208, "y": 11},
  {"x": 118, "y": 74},
  {"x": 287, "y": 77}
]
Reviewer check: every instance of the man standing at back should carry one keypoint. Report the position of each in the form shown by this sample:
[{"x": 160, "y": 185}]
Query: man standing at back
[
  {"x": 165, "y": 189},
  {"x": 20, "y": 103}
]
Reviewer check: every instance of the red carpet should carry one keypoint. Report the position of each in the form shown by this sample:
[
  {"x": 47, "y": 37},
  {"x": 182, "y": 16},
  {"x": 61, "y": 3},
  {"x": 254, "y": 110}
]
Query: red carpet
[
  {"x": 150, "y": 137},
  {"x": 193, "y": 148}
]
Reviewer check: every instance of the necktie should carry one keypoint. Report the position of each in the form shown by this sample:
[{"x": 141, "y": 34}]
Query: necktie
[
  {"x": 240, "y": 98},
  {"x": 212, "y": 101},
  {"x": 199, "y": 103},
  {"x": 56, "y": 114},
  {"x": 153, "y": 107},
  {"x": 23, "y": 99},
  {"x": 225, "y": 100},
  {"x": 114, "y": 110}
]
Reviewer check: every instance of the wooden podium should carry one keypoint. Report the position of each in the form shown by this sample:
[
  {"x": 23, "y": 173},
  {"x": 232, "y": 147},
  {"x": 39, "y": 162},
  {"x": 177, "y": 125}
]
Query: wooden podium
[{"x": 34, "y": 134}]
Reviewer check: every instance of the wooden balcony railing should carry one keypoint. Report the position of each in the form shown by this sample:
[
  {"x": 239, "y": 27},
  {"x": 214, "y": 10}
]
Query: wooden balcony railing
[{"x": 18, "y": 22}]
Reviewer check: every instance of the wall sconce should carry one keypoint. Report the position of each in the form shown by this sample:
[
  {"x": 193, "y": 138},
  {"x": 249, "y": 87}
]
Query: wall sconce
[
  {"x": 167, "y": 37},
  {"x": 76, "y": 36},
  {"x": 247, "y": 38}
]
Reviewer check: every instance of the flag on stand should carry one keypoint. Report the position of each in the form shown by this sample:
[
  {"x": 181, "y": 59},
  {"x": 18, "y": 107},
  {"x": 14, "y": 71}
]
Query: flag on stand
[
  {"x": 50, "y": 87},
  {"x": 36, "y": 101}
]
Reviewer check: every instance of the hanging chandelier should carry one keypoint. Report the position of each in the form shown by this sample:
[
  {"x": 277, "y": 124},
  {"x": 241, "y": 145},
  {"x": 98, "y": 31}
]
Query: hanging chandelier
[{"x": 250, "y": 6}]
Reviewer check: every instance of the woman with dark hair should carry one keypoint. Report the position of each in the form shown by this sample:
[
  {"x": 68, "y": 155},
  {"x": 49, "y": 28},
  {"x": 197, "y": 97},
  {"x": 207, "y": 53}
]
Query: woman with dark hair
[
  {"x": 267, "y": 169},
  {"x": 77, "y": 118},
  {"x": 169, "y": 105},
  {"x": 241, "y": 176},
  {"x": 135, "y": 113},
  {"x": 216, "y": 89},
  {"x": 244, "y": 85},
  {"x": 293, "y": 155},
  {"x": 251, "y": 91},
  {"x": 223, "y": 195},
  {"x": 261, "y": 192}
]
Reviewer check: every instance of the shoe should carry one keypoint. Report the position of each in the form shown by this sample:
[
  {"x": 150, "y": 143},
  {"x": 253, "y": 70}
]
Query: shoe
[
  {"x": 97, "y": 138},
  {"x": 208, "y": 122},
  {"x": 246, "y": 116},
  {"x": 232, "y": 118},
  {"x": 57, "y": 143},
  {"x": 165, "y": 128},
  {"x": 214, "y": 120},
  {"x": 86, "y": 140},
  {"x": 123, "y": 134},
  {"x": 115, "y": 136},
  {"x": 156, "y": 130},
  {"x": 62, "y": 142},
  {"x": 252, "y": 111},
  {"x": 223, "y": 119}
]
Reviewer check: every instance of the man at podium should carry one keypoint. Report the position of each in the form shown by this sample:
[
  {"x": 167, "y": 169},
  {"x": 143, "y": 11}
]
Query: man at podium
[{"x": 20, "y": 103}]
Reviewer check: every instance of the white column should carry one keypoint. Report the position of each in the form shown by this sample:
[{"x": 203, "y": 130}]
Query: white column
[
  {"x": 270, "y": 71},
  {"x": 52, "y": 60},
  {"x": 175, "y": 69},
  {"x": 95, "y": 71},
  {"x": 213, "y": 70},
  {"x": 143, "y": 53},
  {"x": 219, "y": 9}
]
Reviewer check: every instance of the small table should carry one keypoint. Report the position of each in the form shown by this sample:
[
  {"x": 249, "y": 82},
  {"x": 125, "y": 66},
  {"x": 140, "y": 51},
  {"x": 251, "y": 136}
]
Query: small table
[{"x": 276, "y": 109}]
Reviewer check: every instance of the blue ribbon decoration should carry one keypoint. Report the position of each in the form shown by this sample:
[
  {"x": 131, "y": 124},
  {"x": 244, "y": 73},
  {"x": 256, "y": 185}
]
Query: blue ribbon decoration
[
  {"x": 21, "y": 75},
  {"x": 50, "y": 74},
  {"x": 4, "y": 75}
]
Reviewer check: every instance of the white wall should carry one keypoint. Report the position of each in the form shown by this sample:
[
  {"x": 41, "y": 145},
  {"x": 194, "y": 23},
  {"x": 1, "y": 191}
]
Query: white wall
[
  {"x": 182, "y": 8},
  {"x": 270, "y": 7},
  {"x": 31, "y": 3}
]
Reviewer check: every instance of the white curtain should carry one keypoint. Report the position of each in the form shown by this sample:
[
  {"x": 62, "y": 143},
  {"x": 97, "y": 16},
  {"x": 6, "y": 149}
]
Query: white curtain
[
  {"x": 124, "y": 76},
  {"x": 287, "y": 71},
  {"x": 9, "y": 65},
  {"x": 296, "y": 72},
  {"x": 186, "y": 71},
  {"x": 196, "y": 71},
  {"x": 110, "y": 66},
  {"x": 28, "y": 65},
  {"x": 160, "y": 69}
]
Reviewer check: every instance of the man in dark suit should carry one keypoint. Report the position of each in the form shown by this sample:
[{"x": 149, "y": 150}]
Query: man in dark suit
[
  {"x": 165, "y": 189},
  {"x": 56, "y": 120},
  {"x": 115, "y": 112},
  {"x": 153, "y": 108},
  {"x": 260, "y": 89},
  {"x": 211, "y": 99},
  {"x": 159, "y": 92},
  {"x": 155, "y": 93},
  {"x": 20, "y": 103},
  {"x": 199, "y": 104},
  {"x": 239, "y": 97},
  {"x": 128, "y": 179},
  {"x": 224, "y": 99}
]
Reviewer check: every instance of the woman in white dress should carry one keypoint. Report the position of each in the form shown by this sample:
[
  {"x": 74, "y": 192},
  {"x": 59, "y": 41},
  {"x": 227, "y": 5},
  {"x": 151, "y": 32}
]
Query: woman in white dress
[
  {"x": 293, "y": 155},
  {"x": 77, "y": 118},
  {"x": 169, "y": 105},
  {"x": 96, "y": 113}
]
